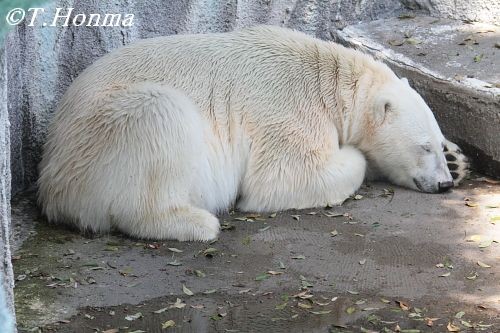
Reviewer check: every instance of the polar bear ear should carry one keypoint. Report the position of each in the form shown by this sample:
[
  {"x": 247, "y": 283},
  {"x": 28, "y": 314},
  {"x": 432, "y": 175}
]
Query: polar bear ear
[
  {"x": 383, "y": 107},
  {"x": 405, "y": 80}
]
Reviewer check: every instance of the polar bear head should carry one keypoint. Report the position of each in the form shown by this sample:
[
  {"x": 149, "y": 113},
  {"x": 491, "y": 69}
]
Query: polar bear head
[{"x": 404, "y": 144}]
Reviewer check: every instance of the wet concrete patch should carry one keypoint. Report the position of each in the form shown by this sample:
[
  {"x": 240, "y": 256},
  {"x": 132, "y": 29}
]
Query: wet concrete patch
[{"x": 408, "y": 246}]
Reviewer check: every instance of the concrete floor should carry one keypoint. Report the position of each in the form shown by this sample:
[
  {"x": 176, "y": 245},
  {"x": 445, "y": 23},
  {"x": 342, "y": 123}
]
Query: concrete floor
[{"x": 404, "y": 261}]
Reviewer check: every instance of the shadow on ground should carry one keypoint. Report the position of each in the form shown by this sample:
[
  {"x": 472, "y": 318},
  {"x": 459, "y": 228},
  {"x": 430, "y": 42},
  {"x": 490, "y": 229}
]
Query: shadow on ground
[{"x": 390, "y": 260}]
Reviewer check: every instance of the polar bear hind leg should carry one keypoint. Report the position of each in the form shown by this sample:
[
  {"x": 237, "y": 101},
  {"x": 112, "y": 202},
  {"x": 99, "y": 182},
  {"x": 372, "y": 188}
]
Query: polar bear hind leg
[{"x": 145, "y": 141}]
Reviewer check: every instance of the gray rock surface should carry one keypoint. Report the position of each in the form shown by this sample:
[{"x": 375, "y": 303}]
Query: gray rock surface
[
  {"x": 469, "y": 10},
  {"x": 454, "y": 66},
  {"x": 6, "y": 274}
]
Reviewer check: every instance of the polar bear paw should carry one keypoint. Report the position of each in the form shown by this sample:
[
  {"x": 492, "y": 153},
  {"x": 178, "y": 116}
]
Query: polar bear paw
[{"x": 458, "y": 163}]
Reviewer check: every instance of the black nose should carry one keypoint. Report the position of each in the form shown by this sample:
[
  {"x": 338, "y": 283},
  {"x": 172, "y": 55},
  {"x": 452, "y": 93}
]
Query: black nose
[{"x": 445, "y": 186}]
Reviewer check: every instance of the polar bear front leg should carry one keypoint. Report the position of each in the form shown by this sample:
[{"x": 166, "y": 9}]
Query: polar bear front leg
[{"x": 295, "y": 183}]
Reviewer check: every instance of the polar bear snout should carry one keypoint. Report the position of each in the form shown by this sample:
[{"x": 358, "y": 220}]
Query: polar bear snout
[{"x": 444, "y": 186}]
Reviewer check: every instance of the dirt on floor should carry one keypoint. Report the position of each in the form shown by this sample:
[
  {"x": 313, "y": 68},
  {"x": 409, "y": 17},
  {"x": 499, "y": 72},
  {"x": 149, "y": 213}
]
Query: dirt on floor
[{"x": 388, "y": 260}]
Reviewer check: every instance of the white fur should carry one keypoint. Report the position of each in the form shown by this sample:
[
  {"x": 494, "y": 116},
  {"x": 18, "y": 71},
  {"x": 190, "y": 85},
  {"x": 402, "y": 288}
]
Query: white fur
[{"x": 157, "y": 136}]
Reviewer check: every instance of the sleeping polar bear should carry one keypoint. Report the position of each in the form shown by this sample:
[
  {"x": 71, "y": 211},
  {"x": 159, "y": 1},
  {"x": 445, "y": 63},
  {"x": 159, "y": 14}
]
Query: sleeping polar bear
[{"x": 157, "y": 136}]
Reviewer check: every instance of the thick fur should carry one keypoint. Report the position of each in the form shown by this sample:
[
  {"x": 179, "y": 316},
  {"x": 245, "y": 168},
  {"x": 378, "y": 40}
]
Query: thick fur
[{"x": 156, "y": 137}]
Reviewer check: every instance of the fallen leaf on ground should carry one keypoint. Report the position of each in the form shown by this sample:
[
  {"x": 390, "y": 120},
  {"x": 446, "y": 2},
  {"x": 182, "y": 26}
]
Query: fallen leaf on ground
[
  {"x": 445, "y": 274},
  {"x": 459, "y": 314},
  {"x": 174, "y": 263},
  {"x": 350, "y": 310},
  {"x": 178, "y": 304},
  {"x": 187, "y": 291},
  {"x": 304, "y": 305},
  {"x": 452, "y": 328},
  {"x": 358, "y": 197},
  {"x": 478, "y": 57},
  {"x": 474, "y": 238},
  {"x": 323, "y": 312},
  {"x": 362, "y": 262},
  {"x": 396, "y": 42},
  {"x": 168, "y": 324},
  {"x": 176, "y": 250},
  {"x": 296, "y": 217},
  {"x": 484, "y": 265},
  {"x": 404, "y": 306},
  {"x": 210, "y": 252},
  {"x": 299, "y": 257},
  {"x": 210, "y": 291},
  {"x": 262, "y": 277},
  {"x": 485, "y": 244},
  {"x": 274, "y": 272},
  {"x": 134, "y": 316},
  {"x": 334, "y": 233},
  {"x": 472, "y": 277}
]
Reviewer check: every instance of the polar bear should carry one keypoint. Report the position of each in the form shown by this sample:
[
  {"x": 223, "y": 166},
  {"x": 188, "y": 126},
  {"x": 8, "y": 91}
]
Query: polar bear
[{"x": 156, "y": 137}]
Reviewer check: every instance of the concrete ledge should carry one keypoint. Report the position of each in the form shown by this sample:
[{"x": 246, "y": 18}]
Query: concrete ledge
[{"x": 454, "y": 66}]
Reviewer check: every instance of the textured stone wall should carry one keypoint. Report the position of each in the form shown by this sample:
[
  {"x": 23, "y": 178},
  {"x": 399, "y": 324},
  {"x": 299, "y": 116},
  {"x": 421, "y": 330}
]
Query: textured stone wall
[
  {"x": 473, "y": 10},
  {"x": 6, "y": 274}
]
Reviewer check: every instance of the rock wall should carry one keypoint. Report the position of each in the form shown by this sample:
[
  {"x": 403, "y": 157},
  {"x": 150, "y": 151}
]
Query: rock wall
[
  {"x": 6, "y": 274},
  {"x": 469, "y": 10}
]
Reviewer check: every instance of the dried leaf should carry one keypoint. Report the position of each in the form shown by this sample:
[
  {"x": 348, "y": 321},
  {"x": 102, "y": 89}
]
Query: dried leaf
[
  {"x": 161, "y": 310},
  {"x": 474, "y": 238},
  {"x": 472, "y": 277},
  {"x": 304, "y": 305},
  {"x": 350, "y": 310},
  {"x": 334, "y": 233},
  {"x": 358, "y": 197},
  {"x": 323, "y": 312},
  {"x": 484, "y": 265},
  {"x": 452, "y": 328},
  {"x": 485, "y": 244},
  {"x": 178, "y": 304},
  {"x": 174, "y": 263},
  {"x": 168, "y": 324},
  {"x": 396, "y": 42},
  {"x": 459, "y": 315},
  {"x": 134, "y": 316},
  {"x": 262, "y": 277},
  {"x": 299, "y": 257},
  {"x": 187, "y": 291},
  {"x": 210, "y": 291},
  {"x": 274, "y": 272},
  {"x": 413, "y": 41},
  {"x": 404, "y": 306},
  {"x": 210, "y": 252},
  {"x": 445, "y": 274},
  {"x": 176, "y": 250}
]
